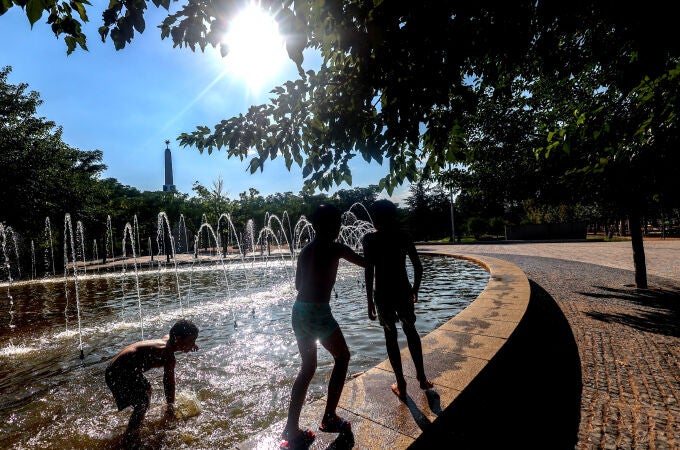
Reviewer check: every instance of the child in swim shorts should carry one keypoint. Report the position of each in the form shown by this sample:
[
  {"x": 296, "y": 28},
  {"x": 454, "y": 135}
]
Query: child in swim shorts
[
  {"x": 125, "y": 373},
  {"x": 312, "y": 320}
]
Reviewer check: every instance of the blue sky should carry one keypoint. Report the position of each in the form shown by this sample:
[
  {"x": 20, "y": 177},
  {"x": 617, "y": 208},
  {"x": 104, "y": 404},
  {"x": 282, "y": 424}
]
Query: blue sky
[{"x": 128, "y": 102}]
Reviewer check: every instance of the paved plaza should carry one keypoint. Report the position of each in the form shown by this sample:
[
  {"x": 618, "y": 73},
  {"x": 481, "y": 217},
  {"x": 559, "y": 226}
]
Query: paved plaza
[
  {"x": 662, "y": 256},
  {"x": 617, "y": 355}
]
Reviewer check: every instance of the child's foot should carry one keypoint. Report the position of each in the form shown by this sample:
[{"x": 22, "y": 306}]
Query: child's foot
[
  {"x": 399, "y": 391},
  {"x": 131, "y": 439},
  {"x": 334, "y": 424},
  {"x": 297, "y": 439},
  {"x": 425, "y": 383}
]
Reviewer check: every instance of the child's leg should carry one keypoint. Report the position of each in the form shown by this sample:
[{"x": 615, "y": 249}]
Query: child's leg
[
  {"x": 138, "y": 413},
  {"x": 336, "y": 345},
  {"x": 416, "y": 349},
  {"x": 307, "y": 349},
  {"x": 394, "y": 355}
]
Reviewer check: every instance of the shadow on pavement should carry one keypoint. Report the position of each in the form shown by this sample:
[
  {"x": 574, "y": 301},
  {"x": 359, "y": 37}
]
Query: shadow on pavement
[
  {"x": 652, "y": 311},
  {"x": 528, "y": 396}
]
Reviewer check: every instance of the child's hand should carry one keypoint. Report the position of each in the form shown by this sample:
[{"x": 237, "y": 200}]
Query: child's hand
[
  {"x": 169, "y": 418},
  {"x": 371, "y": 310}
]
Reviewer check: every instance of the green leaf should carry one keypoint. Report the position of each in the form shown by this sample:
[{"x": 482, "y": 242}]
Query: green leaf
[
  {"x": 34, "y": 10},
  {"x": 103, "y": 32},
  {"x": 70, "y": 44},
  {"x": 81, "y": 10},
  {"x": 306, "y": 171},
  {"x": 254, "y": 165},
  {"x": 4, "y": 6},
  {"x": 348, "y": 177},
  {"x": 138, "y": 22}
]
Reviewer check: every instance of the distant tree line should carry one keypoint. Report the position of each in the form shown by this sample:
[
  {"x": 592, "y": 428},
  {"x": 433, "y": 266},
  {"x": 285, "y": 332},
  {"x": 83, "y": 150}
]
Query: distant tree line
[{"x": 500, "y": 183}]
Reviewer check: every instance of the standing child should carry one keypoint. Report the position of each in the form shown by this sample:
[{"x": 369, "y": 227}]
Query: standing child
[
  {"x": 393, "y": 298},
  {"x": 125, "y": 378},
  {"x": 312, "y": 319}
]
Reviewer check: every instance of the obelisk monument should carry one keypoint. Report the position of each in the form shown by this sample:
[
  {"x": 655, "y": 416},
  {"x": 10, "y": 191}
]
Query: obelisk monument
[{"x": 168, "y": 186}]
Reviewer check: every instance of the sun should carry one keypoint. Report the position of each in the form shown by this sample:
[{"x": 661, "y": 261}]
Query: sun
[{"x": 256, "y": 49}]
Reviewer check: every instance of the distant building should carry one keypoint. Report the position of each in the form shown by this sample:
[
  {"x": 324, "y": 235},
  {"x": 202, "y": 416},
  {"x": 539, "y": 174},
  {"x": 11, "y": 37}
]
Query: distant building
[{"x": 168, "y": 186}]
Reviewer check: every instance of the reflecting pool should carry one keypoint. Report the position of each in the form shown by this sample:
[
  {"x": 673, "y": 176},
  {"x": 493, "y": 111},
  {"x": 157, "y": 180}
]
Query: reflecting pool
[{"x": 241, "y": 376}]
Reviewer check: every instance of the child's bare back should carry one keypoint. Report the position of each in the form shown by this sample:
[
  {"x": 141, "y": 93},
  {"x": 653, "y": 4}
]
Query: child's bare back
[
  {"x": 318, "y": 267},
  {"x": 144, "y": 355}
]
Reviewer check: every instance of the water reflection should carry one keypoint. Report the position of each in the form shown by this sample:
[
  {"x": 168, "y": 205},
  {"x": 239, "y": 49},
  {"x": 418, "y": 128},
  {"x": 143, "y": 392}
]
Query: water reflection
[{"x": 242, "y": 375}]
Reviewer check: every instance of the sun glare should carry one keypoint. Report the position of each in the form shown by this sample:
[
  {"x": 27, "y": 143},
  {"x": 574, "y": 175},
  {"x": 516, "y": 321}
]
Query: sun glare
[{"x": 256, "y": 50}]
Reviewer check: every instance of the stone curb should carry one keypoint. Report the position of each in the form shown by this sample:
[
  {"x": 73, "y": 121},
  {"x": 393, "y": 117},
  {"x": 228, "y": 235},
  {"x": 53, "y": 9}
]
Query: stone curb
[{"x": 454, "y": 354}]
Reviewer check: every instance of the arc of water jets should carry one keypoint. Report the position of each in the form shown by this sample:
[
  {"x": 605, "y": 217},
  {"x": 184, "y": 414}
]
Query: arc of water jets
[
  {"x": 129, "y": 231},
  {"x": 68, "y": 231},
  {"x": 160, "y": 235},
  {"x": 351, "y": 231},
  {"x": 48, "y": 228}
]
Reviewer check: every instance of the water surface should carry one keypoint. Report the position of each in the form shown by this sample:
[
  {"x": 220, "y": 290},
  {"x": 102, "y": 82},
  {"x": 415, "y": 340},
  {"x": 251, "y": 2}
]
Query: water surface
[{"x": 242, "y": 374}]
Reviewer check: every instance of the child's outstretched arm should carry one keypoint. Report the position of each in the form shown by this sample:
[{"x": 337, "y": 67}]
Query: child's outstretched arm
[
  {"x": 417, "y": 270},
  {"x": 368, "y": 278},
  {"x": 169, "y": 381},
  {"x": 351, "y": 256}
]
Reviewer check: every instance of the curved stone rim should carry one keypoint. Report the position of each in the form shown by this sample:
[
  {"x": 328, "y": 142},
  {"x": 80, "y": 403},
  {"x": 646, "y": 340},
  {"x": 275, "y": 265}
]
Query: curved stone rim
[{"x": 455, "y": 353}]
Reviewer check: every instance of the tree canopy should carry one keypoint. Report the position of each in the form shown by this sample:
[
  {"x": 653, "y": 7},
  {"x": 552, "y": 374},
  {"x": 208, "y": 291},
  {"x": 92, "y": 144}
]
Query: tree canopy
[
  {"x": 398, "y": 79},
  {"x": 40, "y": 173},
  {"x": 402, "y": 84}
]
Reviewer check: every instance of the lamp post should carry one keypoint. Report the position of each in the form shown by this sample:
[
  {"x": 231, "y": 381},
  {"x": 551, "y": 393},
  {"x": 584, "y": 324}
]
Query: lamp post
[{"x": 453, "y": 228}]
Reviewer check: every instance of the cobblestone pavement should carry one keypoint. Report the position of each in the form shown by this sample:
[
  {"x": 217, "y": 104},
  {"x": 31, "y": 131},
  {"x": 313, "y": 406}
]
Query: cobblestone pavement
[
  {"x": 662, "y": 256},
  {"x": 628, "y": 340}
]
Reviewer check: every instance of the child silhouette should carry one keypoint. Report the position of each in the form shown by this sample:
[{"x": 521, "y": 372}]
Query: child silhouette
[
  {"x": 393, "y": 297},
  {"x": 125, "y": 373},
  {"x": 312, "y": 319}
]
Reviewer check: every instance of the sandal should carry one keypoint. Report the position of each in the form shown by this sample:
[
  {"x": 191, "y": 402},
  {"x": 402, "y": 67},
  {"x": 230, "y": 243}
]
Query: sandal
[
  {"x": 302, "y": 439},
  {"x": 334, "y": 424}
]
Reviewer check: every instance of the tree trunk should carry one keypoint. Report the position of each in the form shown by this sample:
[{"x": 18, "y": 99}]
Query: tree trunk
[{"x": 638, "y": 251}]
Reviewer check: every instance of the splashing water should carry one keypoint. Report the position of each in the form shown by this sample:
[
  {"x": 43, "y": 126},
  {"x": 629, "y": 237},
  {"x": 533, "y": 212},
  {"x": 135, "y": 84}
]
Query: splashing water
[
  {"x": 128, "y": 231},
  {"x": 239, "y": 293},
  {"x": 241, "y": 376}
]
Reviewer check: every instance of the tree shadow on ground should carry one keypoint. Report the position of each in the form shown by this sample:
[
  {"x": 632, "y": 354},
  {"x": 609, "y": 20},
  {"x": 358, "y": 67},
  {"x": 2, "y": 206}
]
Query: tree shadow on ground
[
  {"x": 528, "y": 396},
  {"x": 655, "y": 310}
]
